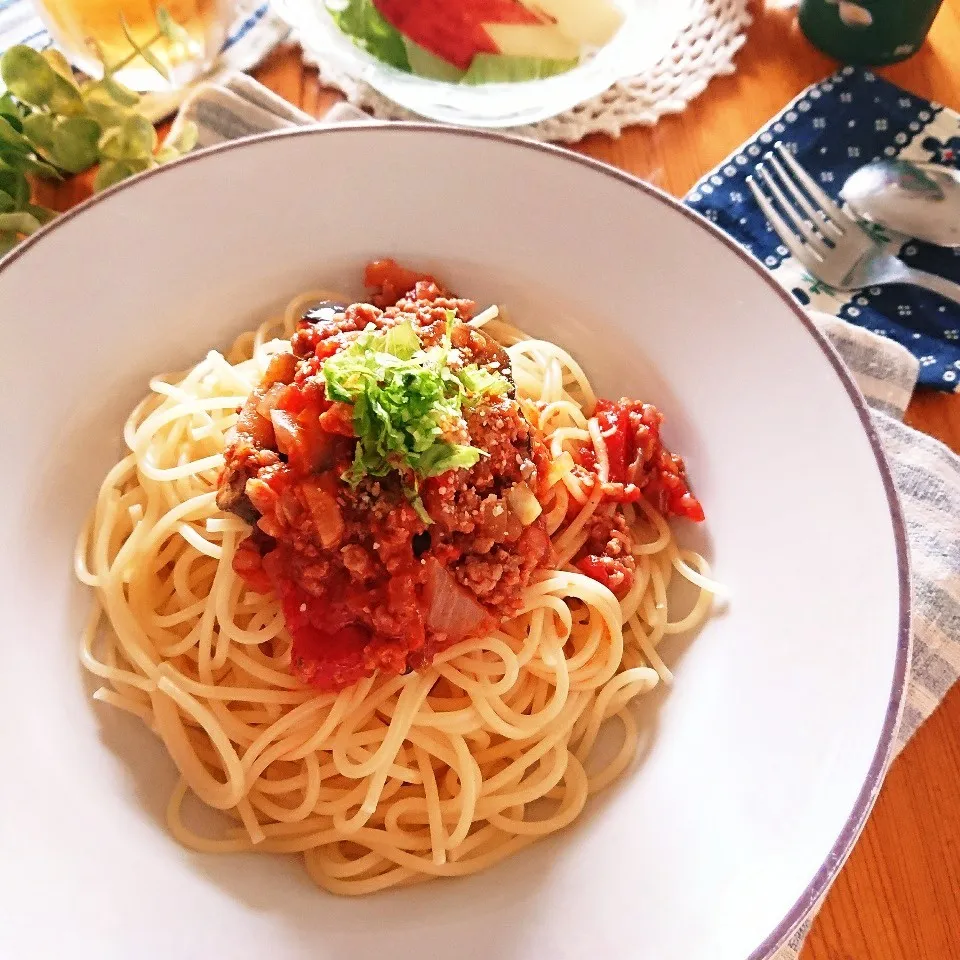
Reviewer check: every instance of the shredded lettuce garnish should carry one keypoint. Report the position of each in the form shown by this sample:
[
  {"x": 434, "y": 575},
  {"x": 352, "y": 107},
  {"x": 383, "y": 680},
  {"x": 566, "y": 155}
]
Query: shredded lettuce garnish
[
  {"x": 406, "y": 400},
  {"x": 478, "y": 381}
]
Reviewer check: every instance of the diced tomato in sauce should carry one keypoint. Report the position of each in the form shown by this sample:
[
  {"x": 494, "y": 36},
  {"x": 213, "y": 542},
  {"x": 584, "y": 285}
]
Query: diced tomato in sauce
[
  {"x": 639, "y": 464},
  {"x": 390, "y": 281},
  {"x": 598, "y": 568},
  {"x": 338, "y": 419}
]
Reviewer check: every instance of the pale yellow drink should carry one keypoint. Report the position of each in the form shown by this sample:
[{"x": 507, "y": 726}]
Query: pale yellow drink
[{"x": 75, "y": 23}]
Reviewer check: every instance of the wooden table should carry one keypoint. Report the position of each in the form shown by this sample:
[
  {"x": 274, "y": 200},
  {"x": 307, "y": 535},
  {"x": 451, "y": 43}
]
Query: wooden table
[{"x": 898, "y": 897}]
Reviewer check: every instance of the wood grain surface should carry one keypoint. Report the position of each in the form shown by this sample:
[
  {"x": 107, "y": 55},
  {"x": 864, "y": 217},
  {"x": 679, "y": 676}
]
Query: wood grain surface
[{"x": 898, "y": 897}]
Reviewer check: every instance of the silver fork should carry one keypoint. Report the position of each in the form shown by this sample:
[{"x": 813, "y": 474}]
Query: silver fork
[{"x": 828, "y": 242}]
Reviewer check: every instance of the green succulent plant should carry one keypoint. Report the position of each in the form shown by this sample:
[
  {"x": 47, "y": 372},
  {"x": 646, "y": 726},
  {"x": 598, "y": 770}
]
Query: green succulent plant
[{"x": 51, "y": 125}]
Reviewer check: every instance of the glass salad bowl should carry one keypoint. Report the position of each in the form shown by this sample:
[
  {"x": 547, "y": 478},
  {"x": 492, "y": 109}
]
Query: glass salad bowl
[{"x": 647, "y": 33}]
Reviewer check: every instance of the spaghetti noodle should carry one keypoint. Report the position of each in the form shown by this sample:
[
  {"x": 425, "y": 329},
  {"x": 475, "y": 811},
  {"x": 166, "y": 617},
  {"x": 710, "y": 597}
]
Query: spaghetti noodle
[{"x": 395, "y": 779}]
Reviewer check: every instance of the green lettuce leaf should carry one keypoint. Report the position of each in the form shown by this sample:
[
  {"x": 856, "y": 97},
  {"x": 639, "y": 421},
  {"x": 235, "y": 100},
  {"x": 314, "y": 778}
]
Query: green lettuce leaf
[
  {"x": 500, "y": 68},
  {"x": 426, "y": 64},
  {"x": 363, "y": 23},
  {"x": 401, "y": 341},
  {"x": 480, "y": 382},
  {"x": 441, "y": 457},
  {"x": 405, "y": 400}
]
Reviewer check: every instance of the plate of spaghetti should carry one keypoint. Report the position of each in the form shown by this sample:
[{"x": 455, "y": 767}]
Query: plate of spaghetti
[{"x": 413, "y": 564}]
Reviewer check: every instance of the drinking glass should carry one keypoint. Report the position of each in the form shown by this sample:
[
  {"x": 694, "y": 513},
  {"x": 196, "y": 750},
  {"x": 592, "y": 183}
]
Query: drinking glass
[{"x": 182, "y": 37}]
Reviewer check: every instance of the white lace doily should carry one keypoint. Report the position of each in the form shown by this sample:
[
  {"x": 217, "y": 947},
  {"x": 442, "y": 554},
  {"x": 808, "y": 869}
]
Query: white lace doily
[{"x": 704, "y": 50}]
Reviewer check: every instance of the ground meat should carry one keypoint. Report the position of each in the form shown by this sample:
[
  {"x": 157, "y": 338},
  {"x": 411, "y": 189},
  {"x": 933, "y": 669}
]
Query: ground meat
[
  {"x": 254, "y": 440},
  {"x": 607, "y": 556},
  {"x": 496, "y": 555},
  {"x": 245, "y": 462},
  {"x": 499, "y": 576},
  {"x": 322, "y": 333},
  {"x": 395, "y": 287},
  {"x": 429, "y": 303}
]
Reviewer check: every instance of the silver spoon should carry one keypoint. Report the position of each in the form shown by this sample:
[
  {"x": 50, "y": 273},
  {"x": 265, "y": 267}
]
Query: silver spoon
[{"x": 920, "y": 200}]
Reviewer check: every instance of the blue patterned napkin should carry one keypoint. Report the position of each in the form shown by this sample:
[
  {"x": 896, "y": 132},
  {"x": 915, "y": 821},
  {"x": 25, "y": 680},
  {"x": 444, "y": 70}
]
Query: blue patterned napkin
[{"x": 832, "y": 128}]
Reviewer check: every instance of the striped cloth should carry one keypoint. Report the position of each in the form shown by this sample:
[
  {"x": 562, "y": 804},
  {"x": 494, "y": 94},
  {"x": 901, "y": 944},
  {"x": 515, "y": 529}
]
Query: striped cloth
[{"x": 927, "y": 474}]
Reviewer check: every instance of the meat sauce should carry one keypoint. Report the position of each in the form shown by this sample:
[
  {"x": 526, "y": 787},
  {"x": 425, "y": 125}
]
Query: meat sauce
[
  {"x": 638, "y": 466},
  {"x": 367, "y": 582}
]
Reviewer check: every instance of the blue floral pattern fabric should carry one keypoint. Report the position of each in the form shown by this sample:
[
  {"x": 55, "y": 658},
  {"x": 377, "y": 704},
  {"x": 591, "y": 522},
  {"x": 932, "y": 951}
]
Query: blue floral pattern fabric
[{"x": 832, "y": 128}]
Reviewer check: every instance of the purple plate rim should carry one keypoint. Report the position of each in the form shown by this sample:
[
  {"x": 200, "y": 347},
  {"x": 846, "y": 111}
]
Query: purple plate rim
[{"x": 856, "y": 820}]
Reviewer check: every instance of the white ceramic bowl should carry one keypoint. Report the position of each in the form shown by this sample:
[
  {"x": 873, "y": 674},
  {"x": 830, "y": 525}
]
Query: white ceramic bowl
[
  {"x": 762, "y": 761},
  {"x": 649, "y": 30}
]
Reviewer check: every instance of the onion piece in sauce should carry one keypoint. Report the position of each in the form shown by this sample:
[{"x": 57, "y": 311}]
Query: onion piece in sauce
[
  {"x": 269, "y": 399},
  {"x": 318, "y": 494},
  {"x": 451, "y": 608},
  {"x": 287, "y": 431},
  {"x": 524, "y": 503}
]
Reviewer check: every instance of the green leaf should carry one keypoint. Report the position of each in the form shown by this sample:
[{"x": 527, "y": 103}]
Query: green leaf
[
  {"x": 171, "y": 29},
  {"x": 417, "y": 503},
  {"x": 442, "y": 457},
  {"x": 8, "y": 106},
  {"x": 19, "y": 222},
  {"x": 74, "y": 145},
  {"x": 7, "y": 242},
  {"x": 166, "y": 155},
  {"x": 107, "y": 115},
  {"x": 14, "y": 184},
  {"x": 426, "y": 64},
  {"x": 103, "y": 107},
  {"x": 38, "y": 128},
  {"x": 365, "y": 26},
  {"x": 498, "y": 68},
  {"x": 27, "y": 75},
  {"x": 144, "y": 50},
  {"x": 43, "y": 214},
  {"x": 113, "y": 171},
  {"x": 479, "y": 381},
  {"x": 15, "y": 122},
  {"x": 120, "y": 94},
  {"x": 11, "y": 112},
  {"x": 134, "y": 139},
  {"x": 65, "y": 98},
  {"x": 401, "y": 341},
  {"x": 7, "y": 203},
  {"x": 12, "y": 138},
  {"x": 41, "y": 167},
  {"x": 27, "y": 164},
  {"x": 186, "y": 137},
  {"x": 31, "y": 78},
  {"x": 59, "y": 63}
]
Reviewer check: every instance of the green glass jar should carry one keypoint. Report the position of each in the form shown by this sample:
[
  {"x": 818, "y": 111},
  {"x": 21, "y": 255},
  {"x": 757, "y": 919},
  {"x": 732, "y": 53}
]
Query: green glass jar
[{"x": 868, "y": 32}]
